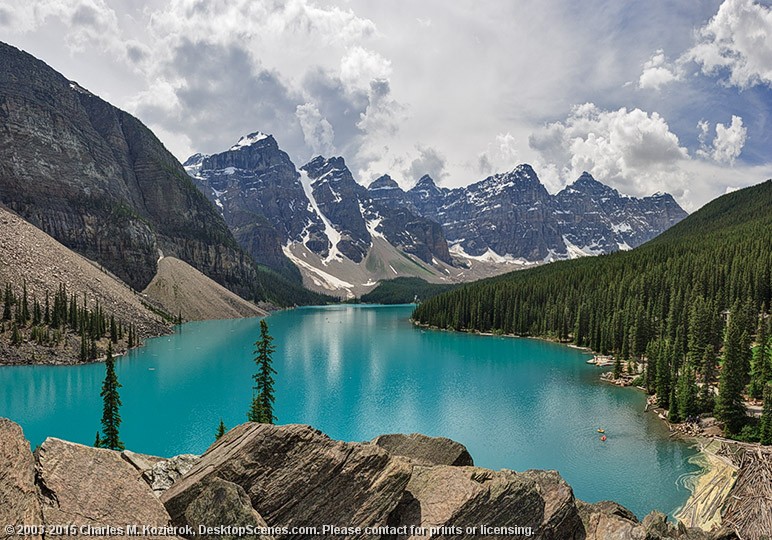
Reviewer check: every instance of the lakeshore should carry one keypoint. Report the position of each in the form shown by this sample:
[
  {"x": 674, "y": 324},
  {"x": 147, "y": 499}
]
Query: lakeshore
[
  {"x": 713, "y": 502},
  {"x": 358, "y": 371}
]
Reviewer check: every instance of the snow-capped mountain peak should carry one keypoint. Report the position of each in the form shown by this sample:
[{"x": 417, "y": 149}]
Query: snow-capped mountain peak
[
  {"x": 325, "y": 225},
  {"x": 249, "y": 140}
]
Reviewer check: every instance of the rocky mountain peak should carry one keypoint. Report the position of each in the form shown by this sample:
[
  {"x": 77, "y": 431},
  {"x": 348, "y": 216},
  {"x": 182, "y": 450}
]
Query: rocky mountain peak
[
  {"x": 383, "y": 182},
  {"x": 253, "y": 152},
  {"x": 195, "y": 159},
  {"x": 525, "y": 171},
  {"x": 321, "y": 168},
  {"x": 660, "y": 197},
  {"x": 586, "y": 184},
  {"x": 425, "y": 182},
  {"x": 586, "y": 179},
  {"x": 522, "y": 183},
  {"x": 252, "y": 139},
  {"x": 115, "y": 195}
]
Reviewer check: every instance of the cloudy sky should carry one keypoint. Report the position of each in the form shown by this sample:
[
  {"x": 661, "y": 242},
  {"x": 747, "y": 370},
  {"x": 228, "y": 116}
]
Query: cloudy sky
[{"x": 647, "y": 96}]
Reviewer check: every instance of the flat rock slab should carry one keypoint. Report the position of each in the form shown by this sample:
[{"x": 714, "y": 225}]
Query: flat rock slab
[
  {"x": 609, "y": 521},
  {"x": 444, "y": 501},
  {"x": 296, "y": 476},
  {"x": 85, "y": 486},
  {"x": 19, "y": 504},
  {"x": 425, "y": 450}
]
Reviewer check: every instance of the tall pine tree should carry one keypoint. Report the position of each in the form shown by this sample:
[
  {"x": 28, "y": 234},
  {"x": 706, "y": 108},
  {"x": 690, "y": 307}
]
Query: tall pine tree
[
  {"x": 760, "y": 368},
  {"x": 261, "y": 409},
  {"x": 111, "y": 418},
  {"x": 730, "y": 408},
  {"x": 765, "y": 429}
]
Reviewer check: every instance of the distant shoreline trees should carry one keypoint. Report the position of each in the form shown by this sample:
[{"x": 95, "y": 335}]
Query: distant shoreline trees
[{"x": 48, "y": 323}]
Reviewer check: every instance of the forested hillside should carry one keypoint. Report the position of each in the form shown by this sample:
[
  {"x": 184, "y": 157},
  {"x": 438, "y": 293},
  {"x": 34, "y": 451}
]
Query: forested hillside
[
  {"x": 693, "y": 298},
  {"x": 404, "y": 290}
]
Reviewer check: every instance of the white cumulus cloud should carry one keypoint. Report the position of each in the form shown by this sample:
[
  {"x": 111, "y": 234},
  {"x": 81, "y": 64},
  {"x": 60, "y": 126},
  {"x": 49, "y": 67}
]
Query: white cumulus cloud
[
  {"x": 632, "y": 150},
  {"x": 360, "y": 66},
  {"x": 499, "y": 156},
  {"x": 737, "y": 40},
  {"x": 657, "y": 72},
  {"x": 729, "y": 140}
]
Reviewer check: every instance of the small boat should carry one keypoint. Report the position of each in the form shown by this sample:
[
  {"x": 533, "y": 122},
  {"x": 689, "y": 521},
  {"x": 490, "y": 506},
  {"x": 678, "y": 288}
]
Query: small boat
[
  {"x": 603, "y": 438},
  {"x": 601, "y": 430}
]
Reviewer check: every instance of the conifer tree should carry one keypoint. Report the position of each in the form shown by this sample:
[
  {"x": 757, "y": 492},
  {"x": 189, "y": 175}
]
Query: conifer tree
[
  {"x": 111, "y": 418},
  {"x": 663, "y": 375},
  {"x": 688, "y": 405},
  {"x": 25, "y": 316},
  {"x": 15, "y": 335},
  {"x": 262, "y": 402},
  {"x": 673, "y": 412},
  {"x": 651, "y": 367},
  {"x": 765, "y": 429},
  {"x": 760, "y": 368},
  {"x": 707, "y": 401},
  {"x": 37, "y": 314},
  {"x": 617, "y": 368},
  {"x": 7, "y": 302},
  {"x": 83, "y": 346},
  {"x": 255, "y": 412},
  {"x": 98, "y": 441},
  {"x": 730, "y": 408},
  {"x": 221, "y": 430},
  {"x": 113, "y": 330}
]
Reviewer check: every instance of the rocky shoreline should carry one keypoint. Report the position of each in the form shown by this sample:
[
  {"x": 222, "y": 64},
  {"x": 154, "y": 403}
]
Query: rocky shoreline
[{"x": 287, "y": 482}]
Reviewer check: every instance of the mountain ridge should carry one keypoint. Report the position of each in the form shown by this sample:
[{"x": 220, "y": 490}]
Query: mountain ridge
[
  {"x": 97, "y": 179},
  {"x": 457, "y": 234}
]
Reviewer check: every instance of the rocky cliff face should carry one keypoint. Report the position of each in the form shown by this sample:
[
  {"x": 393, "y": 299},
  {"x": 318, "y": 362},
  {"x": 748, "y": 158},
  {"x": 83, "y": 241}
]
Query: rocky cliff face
[
  {"x": 597, "y": 217},
  {"x": 275, "y": 478},
  {"x": 339, "y": 198},
  {"x": 96, "y": 179},
  {"x": 255, "y": 186}
]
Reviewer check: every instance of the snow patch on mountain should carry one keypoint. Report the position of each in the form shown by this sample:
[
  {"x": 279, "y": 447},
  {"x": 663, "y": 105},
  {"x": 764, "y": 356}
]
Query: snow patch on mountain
[
  {"x": 249, "y": 140},
  {"x": 333, "y": 236},
  {"x": 317, "y": 275},
  {"x": 621, "y": 227},
  {"x": 489, "y": 256},
  {"x": 576, "y": 252}
]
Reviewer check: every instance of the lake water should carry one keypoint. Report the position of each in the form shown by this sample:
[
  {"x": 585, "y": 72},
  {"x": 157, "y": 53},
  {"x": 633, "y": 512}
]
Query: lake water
[{"x": 355, "y": 372}]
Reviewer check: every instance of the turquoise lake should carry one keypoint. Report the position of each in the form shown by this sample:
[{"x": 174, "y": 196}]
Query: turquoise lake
[{"x": 355, "y": 372}]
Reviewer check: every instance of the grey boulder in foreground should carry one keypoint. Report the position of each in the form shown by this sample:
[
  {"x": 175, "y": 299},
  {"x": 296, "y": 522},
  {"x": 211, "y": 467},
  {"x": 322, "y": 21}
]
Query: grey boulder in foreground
[{"x": 271, "y": 479}]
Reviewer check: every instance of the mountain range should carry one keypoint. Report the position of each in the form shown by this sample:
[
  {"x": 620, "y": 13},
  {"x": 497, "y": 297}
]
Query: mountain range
[
  {"x": 100, "y": 182},
  {"x": 343, "y": 237}
]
